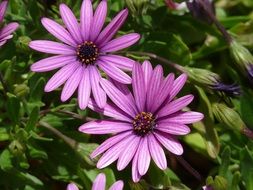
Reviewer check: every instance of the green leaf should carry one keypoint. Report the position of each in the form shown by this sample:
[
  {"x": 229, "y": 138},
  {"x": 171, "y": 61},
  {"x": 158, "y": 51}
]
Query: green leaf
[
  {"x": 220, "y": 183},
  {"x": 33, "y": 118},
  {"x": 31, "y": 179},
  {"x": 206, "y": 127},
  {"x": 246, "y": 108},
  {"x": 246, "y": 161},
  {"x": 85, "y": 149},
  {"x": 6, "y": 160},
  {"x": 37, "y": 152},
  {"x": 196, "y": 141},
  {"x": 4, "y": 134},
  {"x": 13, "y": 108},
  {"x": 225, "y": 157},
  {"x": 37, "y": 87},
  {"x": 236, "y": 181},
  {"x": 170, "y": 46}
]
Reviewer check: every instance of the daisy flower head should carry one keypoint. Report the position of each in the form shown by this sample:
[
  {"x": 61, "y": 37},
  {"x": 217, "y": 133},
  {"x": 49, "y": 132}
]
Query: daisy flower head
[
  {"x": 86, "y": 47},
  {"x": 142, "y": 122},
  {"x": 6, "y": 31},
  {"x": 99, "y": 184}
]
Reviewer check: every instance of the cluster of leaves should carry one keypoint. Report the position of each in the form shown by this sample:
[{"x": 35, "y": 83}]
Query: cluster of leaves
[{"x": 40, "y": 147}]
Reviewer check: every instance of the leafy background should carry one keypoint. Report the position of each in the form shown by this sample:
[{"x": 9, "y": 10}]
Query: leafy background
[{"x": 40, "y": 146}]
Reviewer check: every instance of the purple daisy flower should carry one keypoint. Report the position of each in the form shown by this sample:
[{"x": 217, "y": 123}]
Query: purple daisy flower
[
  {"x": 99, "y": 184},
  {"x": 86, "y": 46},
  {"x": 6, "y": 31},
  {"x": 142, "y": 122}
]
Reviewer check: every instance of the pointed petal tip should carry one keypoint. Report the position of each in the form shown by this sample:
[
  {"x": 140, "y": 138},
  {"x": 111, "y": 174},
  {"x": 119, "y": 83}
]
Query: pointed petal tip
[
  {"x": 184, "y": 75},
  {"x": 82, "y": 107},
  {"x": 44, "y": 19},
  {"x": 125, "y": 11},
  {"x": 47, "y": 89},
  {"x": 201, "y": 116},
  {"x": 179, "y": 152},
  {"x": 64, "y": 98},
  {"x": 30, "y": 44},
  {"x": 62, "y": 6},
  {"x": 33, "y": 68},
  {"x": 100, "y": 166},
  {"x": 82, "y": 128},
  {"x": 15, "y": 25}
]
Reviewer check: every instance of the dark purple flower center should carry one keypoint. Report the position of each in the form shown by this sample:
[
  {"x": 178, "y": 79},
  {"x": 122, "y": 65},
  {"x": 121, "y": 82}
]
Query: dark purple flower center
[
  {"x": 143, "y": 123},
  {"x": 87, "y": 52}
]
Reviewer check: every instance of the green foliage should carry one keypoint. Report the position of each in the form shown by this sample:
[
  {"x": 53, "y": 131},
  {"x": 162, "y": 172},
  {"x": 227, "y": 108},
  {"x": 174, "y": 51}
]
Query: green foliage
[{"x": 40, "y": 146}]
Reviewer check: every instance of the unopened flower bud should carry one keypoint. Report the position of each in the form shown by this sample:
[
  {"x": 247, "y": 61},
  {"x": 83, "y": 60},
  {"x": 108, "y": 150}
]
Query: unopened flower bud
[
  {"x": 137, "y": 7},
  {"x": 22, "y": 44},
  {"x": 198, "y": 11},
  {"x": 211, "y": 80},
  {"x": 228, "y": 116},
  {"x": 21, "y": 90},
  {"x": 202, "y": 76},
  {"x": 243, "y": 58},
  {"x": 171, "y": 4}
]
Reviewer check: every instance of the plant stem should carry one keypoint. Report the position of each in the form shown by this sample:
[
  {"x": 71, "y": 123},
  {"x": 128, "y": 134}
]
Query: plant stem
[
  {"x": 189, "y": 168},
  {"x": 248, "y": 132},
  {"x": 219, "y": 26},
  {"x": 71, "y": 142},
  {"x": 161, "y": 59},
  {"x": 72, "y": 114},
  {"x": 5, "y": 88}
]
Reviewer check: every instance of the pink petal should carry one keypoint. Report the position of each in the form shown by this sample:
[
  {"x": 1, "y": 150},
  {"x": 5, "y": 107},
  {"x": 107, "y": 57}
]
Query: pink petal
[
  {"x": 72, "y": 186},
  {"x": 154, "y": 85},
  {"x": 99, "y": 183},
  {"x": 135, "y": 173},
  {"x": 114, "y": 72},
  {"x": 118, "y": 98},
  {"x": 170, "y": 143},
  {"x": 86, "y": 18},
  {"x": 147, "y": 70},
  {"x": 128, "y": 153},
  {"x": 113, "y": 153},
  {"x": 46, "y": 46},
  {"x": 184, "y": 117},
  {"x": 173, "y": 128},
  {"x": 98, "y": 20},
  {"x": 118, "y": 185},
  {"x": 8, "y": 29},
  {"x": 178, "y": 85},
  {"x": 120, "y": 42},
  {"x": 164, "y": 92},
  {"x": 98, "y": 93},
  {"x": 3, "y": 7},
  {"x": 70, "y": 22},
  {"x": 2, "y": 42},
  {"x": 175, "y": 106},
  {"x": 144, "y": 157},
  {"x": 71, "y": 84},
  {"x": 84, "y": 89},
  {"x": 104, "y": 127},
  {"x": 109, "y": 110},
  {"x": 52, "y": 63},
  {"x": 109, "y": 143},
  {"x": 61, "y": 76},
  {"x": 58, "y": 31},
  {"x": 110, "y": 30},
  {"x": 119, "y": 61},
  {"x": 139, "y": 89},
  {"x": 124, "y": 89},
  {"x": 157, "y": 152}
]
